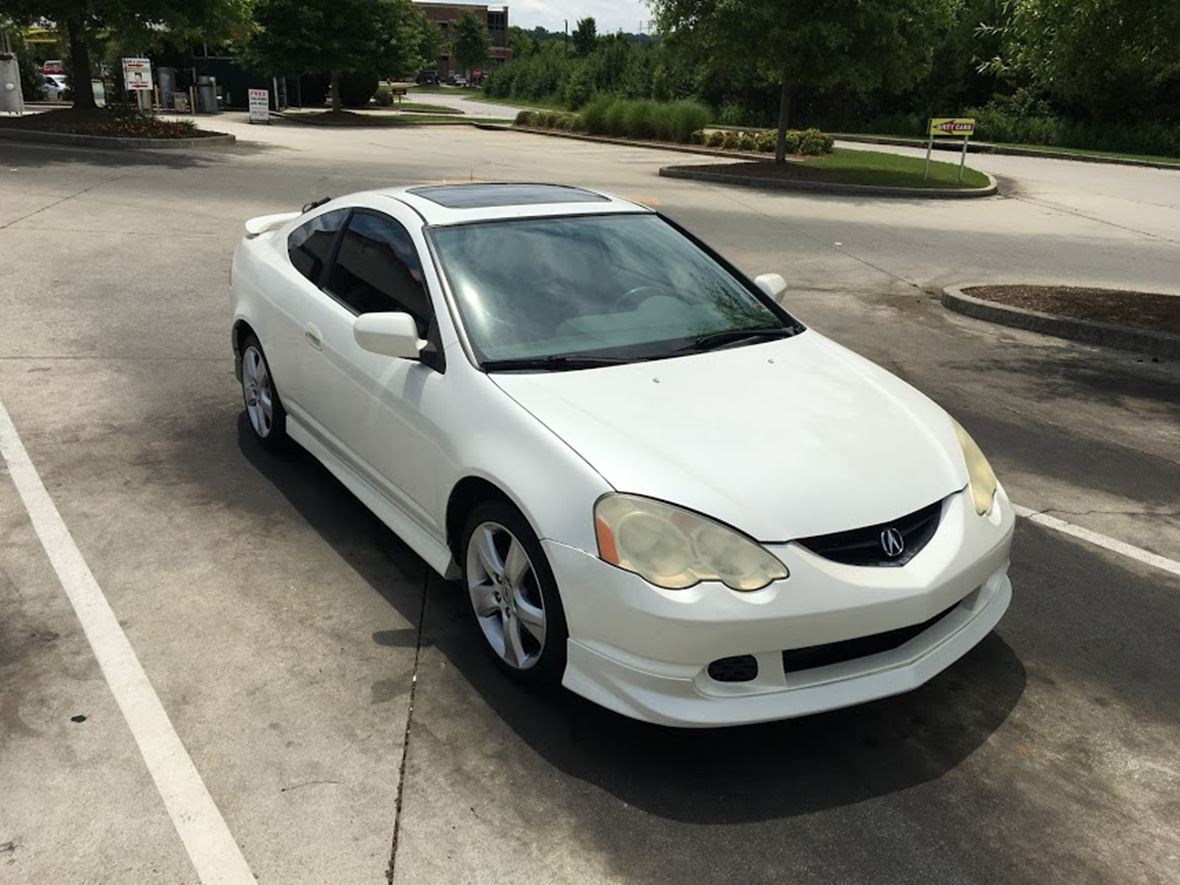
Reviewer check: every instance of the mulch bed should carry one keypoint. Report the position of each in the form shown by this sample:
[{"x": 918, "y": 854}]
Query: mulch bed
[
  {"x": 100, "y": 121},
  {"x": 1142, "y": 310}
]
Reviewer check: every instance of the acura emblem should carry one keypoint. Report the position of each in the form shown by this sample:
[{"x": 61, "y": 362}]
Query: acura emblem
[{"x": 892, "y": 542}]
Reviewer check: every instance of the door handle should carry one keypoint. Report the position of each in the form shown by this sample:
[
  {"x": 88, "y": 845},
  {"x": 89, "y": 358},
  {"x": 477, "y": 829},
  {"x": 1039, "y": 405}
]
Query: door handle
[{"x": 314, "y": 336}]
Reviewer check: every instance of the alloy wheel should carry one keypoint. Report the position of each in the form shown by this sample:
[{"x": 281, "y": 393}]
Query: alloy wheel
[
  {"x": 258, "y": 391},
  {"x": 506, "y": 595}
]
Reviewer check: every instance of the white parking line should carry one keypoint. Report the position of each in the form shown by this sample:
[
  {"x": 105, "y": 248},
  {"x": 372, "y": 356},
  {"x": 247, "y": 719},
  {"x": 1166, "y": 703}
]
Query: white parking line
[
  {"x": 1098, "y": 539},
  {"x": 210, "y": 846}
]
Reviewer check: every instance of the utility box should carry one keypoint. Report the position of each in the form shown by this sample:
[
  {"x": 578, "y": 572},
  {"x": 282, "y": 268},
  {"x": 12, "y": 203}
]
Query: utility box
[
  {"x": 11, "y": 100},
  {"x": 206, "y": 95}
]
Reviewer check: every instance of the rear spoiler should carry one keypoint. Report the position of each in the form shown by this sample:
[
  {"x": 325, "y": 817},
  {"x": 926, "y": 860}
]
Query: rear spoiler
[{"x": 263, "y": 223}]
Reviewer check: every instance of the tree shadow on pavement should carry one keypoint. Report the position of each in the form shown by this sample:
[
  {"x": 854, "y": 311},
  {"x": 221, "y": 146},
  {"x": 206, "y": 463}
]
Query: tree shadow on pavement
[
  {"x": 730, "y": 775},
  {"x": 26, "y": 155}
]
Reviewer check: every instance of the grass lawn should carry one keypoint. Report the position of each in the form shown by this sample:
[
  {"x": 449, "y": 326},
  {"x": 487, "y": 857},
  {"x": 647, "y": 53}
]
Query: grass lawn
[
  {"x": 347, "y": 118},
  {"x": 421, "y": 107},
  {"x": 855, "y": 167},
  {"x": 464, "y": 91},
  {"x": 890, "y": 170},
  {"x": 1051, "y": 150}
]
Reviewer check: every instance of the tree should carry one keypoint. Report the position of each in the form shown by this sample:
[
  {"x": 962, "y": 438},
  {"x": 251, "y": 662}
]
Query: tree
[
  {"x": 471, "y": 45},
  {"x": 520, "y": 42},
  {"x": 585, "y": 36},
  {"x": 1097, "y": 57},
  {"x": 855, "y": 44},
  {"x": 334, "y": 37},
  {"x": 80, "y": 21}
]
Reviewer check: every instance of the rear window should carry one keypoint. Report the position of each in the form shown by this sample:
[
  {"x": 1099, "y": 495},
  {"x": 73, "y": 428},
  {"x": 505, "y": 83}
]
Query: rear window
[{"x": 310, "y": 244}]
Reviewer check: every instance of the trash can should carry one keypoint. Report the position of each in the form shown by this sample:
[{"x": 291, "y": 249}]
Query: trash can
[{"x": 206, "y": 95}]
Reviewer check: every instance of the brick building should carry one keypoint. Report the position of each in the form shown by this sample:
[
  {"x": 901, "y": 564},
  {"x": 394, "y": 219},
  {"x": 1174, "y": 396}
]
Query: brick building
[{"x": 495, "y": 18}]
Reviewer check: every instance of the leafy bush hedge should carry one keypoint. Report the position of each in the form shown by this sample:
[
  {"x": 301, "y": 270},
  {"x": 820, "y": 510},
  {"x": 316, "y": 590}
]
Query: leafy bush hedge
[
  {"x": 810, "y": 142},
  {"x": 550, "y": 120}
]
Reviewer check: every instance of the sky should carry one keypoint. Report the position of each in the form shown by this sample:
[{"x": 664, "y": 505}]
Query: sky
[{"x": 609, "y": 15}]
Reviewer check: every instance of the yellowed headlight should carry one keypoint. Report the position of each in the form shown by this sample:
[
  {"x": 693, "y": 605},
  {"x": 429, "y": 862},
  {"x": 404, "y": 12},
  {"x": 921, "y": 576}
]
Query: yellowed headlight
[{"x": 982, "y": 478}]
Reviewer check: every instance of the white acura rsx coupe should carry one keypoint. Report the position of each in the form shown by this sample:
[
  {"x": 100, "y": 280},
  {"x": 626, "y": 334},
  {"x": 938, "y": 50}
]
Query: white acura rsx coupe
[{"x": 657, "y": 487}]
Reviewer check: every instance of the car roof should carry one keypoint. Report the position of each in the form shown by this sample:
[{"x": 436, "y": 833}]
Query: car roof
[{"x": 442, "y": 204}]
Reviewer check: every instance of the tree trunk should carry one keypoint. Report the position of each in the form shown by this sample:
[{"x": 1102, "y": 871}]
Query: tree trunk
[
  {"x": 784, "y": 118},
  {"x": 80, "y": 64},
  {"x": 335, "y": 90}
]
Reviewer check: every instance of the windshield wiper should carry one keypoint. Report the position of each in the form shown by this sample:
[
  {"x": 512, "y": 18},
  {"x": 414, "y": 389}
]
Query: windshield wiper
[
  {"x": 730, "y": 337},
  {"x": 554, "y": 363}
]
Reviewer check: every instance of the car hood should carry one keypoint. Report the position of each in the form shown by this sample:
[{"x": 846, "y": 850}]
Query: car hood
[{"x": 782, "y": 440}]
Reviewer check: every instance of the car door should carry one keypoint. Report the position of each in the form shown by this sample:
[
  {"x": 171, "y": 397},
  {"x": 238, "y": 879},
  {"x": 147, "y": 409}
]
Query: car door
[
  {"x": 291, "y": 291},
  {"x": 370, "y": 407}
]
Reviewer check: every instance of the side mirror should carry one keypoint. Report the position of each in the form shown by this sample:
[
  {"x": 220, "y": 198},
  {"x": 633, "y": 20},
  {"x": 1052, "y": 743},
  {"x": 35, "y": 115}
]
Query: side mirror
[
  {"x": 772, "y": 284},
  {"x": 389, "y": 334}
]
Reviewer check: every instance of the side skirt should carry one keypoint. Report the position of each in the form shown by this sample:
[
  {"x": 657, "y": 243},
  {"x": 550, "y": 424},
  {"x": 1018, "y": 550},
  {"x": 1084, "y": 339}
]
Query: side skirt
[{"x": 437, "y": 555}]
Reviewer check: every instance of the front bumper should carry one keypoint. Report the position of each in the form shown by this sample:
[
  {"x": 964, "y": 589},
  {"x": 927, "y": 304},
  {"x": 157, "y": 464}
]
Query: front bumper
[{"x": 645, "y": 652}]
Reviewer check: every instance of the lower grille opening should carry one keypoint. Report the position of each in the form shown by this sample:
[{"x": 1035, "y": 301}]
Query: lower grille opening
[
  {"x": 796, "y": 659},
  {"x": 741, "y": 668}
]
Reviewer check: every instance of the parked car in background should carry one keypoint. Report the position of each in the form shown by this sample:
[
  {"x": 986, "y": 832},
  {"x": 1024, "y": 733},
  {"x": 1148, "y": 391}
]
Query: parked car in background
[
  {"x": 656, "y": 486},
  {"x": 427, "y": 78},
  {"x": 54, "y": 87},
  {"x": 460, "y": 81},
  {"x": 53, "y": 66}
]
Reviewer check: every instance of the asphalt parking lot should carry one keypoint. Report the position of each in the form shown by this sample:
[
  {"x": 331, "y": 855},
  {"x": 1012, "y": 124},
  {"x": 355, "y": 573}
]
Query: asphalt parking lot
[{"x": 328, "y": 689}]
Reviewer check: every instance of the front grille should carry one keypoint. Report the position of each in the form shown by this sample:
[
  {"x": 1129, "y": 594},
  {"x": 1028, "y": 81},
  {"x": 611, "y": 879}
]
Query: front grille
[
  {"x": 796, "y": 659},
  {"x": 741, "y": 668},
  {"x": 864, "y": 546}
]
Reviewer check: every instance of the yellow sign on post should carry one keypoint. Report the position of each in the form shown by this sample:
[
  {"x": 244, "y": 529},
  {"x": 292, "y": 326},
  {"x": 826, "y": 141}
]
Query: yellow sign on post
[
  {"x": 958, "y": 127},
  {"x": 963, "y": 127}
]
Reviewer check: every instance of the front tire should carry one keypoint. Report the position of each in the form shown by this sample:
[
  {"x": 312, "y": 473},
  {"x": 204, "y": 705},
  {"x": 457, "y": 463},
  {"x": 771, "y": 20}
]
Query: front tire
[
  {"x": 513, "y": 594},
  {"x": 264, "y": 408}
]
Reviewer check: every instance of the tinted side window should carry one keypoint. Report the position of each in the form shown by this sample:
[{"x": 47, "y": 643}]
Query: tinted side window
[
  {"x": 377, "y": 269},
  {"x": 310, "y": 244}
]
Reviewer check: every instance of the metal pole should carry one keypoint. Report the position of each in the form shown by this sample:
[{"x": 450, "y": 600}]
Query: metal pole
[
  {"x": 929, "y": 148},
  {"x": 963, "y": 158}
]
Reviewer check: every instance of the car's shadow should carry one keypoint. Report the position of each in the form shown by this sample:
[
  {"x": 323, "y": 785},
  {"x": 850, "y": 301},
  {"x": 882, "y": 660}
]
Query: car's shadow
[{"x": 730, "y": 775}]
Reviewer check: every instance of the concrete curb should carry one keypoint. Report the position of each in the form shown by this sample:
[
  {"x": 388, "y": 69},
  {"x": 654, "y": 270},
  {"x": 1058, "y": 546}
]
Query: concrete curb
[
  {"x": 1158, "y": 344},
  {"x": 827, "y": 187},
  {"x": 106, "y": 141},
  {"x": 984, "y": 147}
]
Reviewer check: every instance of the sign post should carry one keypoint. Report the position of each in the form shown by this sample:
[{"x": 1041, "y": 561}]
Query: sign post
[
  {"x": 137, "y": 78},
  {"x": 259, "y": 106},
  {"x": 956, "y": 127}
]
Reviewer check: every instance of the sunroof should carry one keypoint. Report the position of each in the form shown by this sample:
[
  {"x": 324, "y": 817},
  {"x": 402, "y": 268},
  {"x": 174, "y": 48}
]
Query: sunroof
[{"x": 484, "y": 196}]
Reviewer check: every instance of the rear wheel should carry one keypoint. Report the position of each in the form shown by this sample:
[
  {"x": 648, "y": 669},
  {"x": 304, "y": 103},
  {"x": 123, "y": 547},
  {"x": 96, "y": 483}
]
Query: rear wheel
[
  {"x": 265, "y": 410},
  {"x": 513, "y": 595}
]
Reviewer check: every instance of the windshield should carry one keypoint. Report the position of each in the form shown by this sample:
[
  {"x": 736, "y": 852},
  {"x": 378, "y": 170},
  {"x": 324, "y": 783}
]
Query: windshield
[{"x": 609, "y": 287}]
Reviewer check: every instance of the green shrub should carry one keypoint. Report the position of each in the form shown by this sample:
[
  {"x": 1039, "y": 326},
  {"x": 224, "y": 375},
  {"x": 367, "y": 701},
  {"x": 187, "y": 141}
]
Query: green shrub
[
  {"x": 793, "y": 139},
  {"x": 715, "y": 139},
  {"x": 686, "y": 117},
  {"x": 697, "y": 137},
  {"x": 638, "y": 119},
  {"x": 594, "y": 114},
  {"x": 384, "y": 96},
  {"x": 613, "y": 119},
  {"x": 765, "y": 141},
  {"x": 524, "y": 118},
  {"x": 733, "y": 141},
  {"x": 811, "y": 143},
  {"x": 747, "y": 141}
]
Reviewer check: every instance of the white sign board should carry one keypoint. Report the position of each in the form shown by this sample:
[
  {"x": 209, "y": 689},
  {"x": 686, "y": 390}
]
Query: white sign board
[
  {"x": 137, "y": 74},
  {"x": 259, "y": 106}
]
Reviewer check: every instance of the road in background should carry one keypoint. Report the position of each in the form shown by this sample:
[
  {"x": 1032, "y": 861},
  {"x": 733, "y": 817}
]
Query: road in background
[{"x": 282, "y": 626}]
